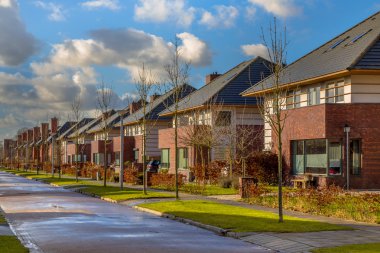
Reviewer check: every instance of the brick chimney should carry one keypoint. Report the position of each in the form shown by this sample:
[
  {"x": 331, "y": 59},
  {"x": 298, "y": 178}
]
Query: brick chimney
[
  {"x": 44, "y": 130},
  {"x": 134, "y": 106},
  {"x": 30, "y": 135},
  {"x": 54, "y": 125},
  {"x": 153, "y": 97},
  {"x": 211, "y": 77},
  {"x": 36, "y": 133},
  {"x": 25, "y": 136}
]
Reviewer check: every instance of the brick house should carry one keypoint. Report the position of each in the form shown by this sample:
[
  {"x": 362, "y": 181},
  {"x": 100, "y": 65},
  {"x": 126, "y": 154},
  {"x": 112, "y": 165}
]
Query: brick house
[
  {"x": 68, "y": 146},
  {"x": 100, "y": 138},
  {"x": 216, "y": 105},
  {"x": 133, "y": 128},
  {"x": 55, "y": 150},
  {"x": 9, "y": 151},
  {"x": 335, "y": 86}
]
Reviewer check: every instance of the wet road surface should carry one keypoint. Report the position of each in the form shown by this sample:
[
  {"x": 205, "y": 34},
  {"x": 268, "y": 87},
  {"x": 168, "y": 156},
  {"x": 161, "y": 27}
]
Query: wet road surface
[{"x": 50, "y": 219}]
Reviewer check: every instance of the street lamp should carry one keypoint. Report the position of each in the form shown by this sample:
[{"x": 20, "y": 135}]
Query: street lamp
[
  {"x": 121, "y": 157},
  {"x": 347, "y": 131}
]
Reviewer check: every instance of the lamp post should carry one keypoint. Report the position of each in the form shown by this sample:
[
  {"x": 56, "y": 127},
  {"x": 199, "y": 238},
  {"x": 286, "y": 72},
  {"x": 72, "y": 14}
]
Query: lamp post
[
  {"x": 347, "y": 131},
  {"x": 121, "y": 158},
  {"x": 11, "y": 148},
  {"x": 52, "y": 155}
]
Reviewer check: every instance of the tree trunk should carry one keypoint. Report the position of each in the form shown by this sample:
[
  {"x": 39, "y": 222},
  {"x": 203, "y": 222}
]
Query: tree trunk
[
  {"x": 76, "y": 160},
  {"x": 145, "y": 179},
  {"x": 176, "y": 153},
  {"x": 105, "y": 164}
]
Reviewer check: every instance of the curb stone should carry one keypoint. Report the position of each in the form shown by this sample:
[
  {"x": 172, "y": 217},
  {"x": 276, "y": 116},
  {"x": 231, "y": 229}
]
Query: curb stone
[{"x": 217, "y": 230}]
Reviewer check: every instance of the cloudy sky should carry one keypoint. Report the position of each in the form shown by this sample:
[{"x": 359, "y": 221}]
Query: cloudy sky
[{"x": 50, "y": 51}]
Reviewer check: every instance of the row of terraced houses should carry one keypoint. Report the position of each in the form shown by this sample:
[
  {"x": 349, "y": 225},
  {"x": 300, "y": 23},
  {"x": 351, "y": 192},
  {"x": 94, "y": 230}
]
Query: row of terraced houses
[{"x": 332, "y": 106}]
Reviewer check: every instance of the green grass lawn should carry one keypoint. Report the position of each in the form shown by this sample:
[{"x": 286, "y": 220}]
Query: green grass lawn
[
  {"x": 352, "y": 248},
  {"x": 120, "y": 195},
  {"x": 2, "y": 219},
  {"x": 238, "y": 219},
  {"x": 10, "y": 244}
]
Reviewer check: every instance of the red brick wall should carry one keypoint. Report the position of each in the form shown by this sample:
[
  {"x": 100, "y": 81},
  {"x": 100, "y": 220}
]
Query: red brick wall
[
  {"x": 327, "y": 121},
  {"x": 84, "y": 149},
  {"x": 129, "y": 142},
  {"x": 98, "y": 147},
  {"x": 166, "y": 140}
]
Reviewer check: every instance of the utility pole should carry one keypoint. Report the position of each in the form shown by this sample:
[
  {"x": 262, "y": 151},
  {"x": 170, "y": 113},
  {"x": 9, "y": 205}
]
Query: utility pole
[
  {"x": 52, "y": 156},
  {"x": 121, "y": 177}
]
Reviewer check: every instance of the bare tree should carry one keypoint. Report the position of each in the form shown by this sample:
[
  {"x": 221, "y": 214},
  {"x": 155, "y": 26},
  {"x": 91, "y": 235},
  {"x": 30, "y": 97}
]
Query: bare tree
[
  {"x": 104, "y": 104},
  {"x": 274, "y": 101},
  {"x": 145, "y": 86},
  {"x": 77, "y": 116},
  {"x": 177, "y": 75},
  {"x": 207, "y": 131}
]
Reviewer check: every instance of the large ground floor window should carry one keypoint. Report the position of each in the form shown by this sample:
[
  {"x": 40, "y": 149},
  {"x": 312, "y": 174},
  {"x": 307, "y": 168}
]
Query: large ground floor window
[
  {"x": 98, "y": 158},
  {"x": 165, "y": 158},
  {"x": 182, "y": 158},
  {"x": 117, "y": 158},
  {"x": 318, "y": 156}
]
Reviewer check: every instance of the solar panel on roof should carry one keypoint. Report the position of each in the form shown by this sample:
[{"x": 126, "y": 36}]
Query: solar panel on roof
[
  {"x": 358, "y": 37},
  {"x": 338, "y": 42}
]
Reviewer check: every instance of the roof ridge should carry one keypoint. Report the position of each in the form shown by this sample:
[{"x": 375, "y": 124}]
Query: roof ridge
[
  {"x": 249, "y": 62},
  {"x": 346, "y": 31}
]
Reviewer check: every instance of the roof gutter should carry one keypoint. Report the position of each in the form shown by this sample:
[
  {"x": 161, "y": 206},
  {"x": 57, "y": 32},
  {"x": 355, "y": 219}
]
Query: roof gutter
[{"x": 301, "y": 83}]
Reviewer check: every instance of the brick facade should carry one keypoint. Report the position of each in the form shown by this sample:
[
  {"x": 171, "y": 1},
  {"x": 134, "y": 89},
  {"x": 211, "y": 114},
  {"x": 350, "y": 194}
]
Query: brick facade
[
  {"x": 327, "y": 121},
  {"x": 129, "y": 143},
  {"x": 83, "y": 149}
]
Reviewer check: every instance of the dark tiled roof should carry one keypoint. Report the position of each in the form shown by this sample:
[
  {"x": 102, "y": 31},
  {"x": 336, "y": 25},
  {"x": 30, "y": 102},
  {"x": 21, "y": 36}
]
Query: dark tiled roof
[
  {"x": 67, "y": 125},
  {"x": 341, "y": 53},
  {"x": 74, "y": 127},
  {"x": 110, "y": 122},
  {"x": 226, "y": 88},
  {"x": 158, "y": 105}
]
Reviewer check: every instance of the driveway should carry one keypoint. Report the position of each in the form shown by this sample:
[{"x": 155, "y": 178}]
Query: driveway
[{"x": 50, "y": 219}]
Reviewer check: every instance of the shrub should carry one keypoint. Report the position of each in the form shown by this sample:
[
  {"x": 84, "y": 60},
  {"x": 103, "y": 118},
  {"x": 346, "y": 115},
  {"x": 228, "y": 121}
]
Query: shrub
[
  {"x": 209, "y": 173},
  {"x": 167, "y": 181},
  {"x": 262, "y": 166},
  {"x": 131, "y": 174}
]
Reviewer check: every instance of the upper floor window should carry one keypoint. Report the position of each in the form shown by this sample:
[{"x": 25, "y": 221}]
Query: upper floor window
[
  {"x": 293, "y": 99},
  {"x": 223, "y": 118},
  {"x": 335, "y": 92},
  {"x": 313, "y": 96}
]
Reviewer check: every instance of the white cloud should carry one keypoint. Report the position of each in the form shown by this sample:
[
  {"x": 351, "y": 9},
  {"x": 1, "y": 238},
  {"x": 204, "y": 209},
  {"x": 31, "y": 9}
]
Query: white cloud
[
  {"x": 8, "y": 3},
  {"x": 282, "y": 8},
  {"x": 159, "y": 11},
  {"x": 255, "y": 50},
  {"x": 98, "y": 4},
  {"x": 250, "y": 12},
  {"x": 194, "y": 50},
  {"x": 224, "y": 17},
  {"x": 124, "y": 48},
  {"x": 56, "y": 11},
  {"x": 16, "y": 44}
]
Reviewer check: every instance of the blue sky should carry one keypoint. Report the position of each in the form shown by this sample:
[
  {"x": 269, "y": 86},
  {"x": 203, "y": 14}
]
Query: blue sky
[{"x": 52, "y": 50}]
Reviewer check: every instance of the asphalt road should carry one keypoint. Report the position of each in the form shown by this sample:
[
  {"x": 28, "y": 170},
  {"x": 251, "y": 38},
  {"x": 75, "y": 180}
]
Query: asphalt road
[{"x": 50, "y": 219}]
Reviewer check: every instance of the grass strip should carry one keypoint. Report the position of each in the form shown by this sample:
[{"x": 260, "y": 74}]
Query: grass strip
[
  {"x": 95, "y": 187},
  {"x": 10, "y": 244},
  {"x": 351, "y": 248},
  {"x": 238, "y": 219}
]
